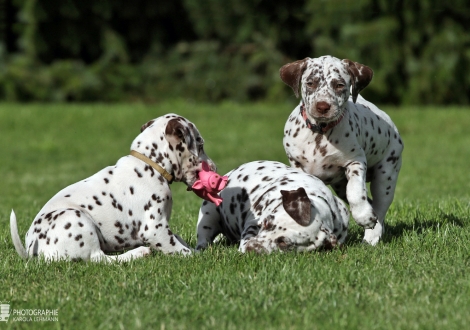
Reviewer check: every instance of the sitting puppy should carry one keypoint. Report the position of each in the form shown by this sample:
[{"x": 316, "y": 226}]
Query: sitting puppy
[
  {"x": 269, "y": 206},
  {"x": 122, "y": 207},
  {"x": 345, "y": 141}
]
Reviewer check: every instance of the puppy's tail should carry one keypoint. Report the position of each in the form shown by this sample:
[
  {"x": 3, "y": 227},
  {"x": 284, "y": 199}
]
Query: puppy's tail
[{"x": 15, "y": 237}]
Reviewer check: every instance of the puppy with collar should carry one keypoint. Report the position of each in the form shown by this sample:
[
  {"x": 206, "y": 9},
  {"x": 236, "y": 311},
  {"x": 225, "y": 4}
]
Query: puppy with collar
[
  {"x": 122, "y": 207},
  {"x": 346, "y": 141}
]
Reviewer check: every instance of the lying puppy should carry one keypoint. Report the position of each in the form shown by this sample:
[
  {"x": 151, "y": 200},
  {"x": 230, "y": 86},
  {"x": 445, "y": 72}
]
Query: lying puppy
[
  {"x": 339, "y": 137},
  {"x": 122, "y": 207},
  {"x": 268, "y": 206}
]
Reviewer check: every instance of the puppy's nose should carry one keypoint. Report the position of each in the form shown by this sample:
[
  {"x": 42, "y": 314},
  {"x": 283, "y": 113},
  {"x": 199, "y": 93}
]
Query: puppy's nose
[{"x": 323, "y": 107}]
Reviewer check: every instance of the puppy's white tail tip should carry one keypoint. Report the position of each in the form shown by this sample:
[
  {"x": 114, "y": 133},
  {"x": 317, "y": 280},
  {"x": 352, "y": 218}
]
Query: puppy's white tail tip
[{"x": 15, "y": 237}]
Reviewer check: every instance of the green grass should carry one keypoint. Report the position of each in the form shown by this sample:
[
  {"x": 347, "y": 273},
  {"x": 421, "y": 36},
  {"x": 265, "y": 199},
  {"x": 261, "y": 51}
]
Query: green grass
[{"x": 417, "y": 278}]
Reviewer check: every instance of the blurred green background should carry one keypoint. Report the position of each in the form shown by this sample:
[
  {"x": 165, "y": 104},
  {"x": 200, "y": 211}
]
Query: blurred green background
[{"x": 211, "y": 50}]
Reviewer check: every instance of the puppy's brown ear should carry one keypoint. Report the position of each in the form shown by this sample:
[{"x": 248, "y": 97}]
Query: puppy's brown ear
[
  {"x": 360, "y": 74},
  {"x": 144, "y": 126},
  {"x": 297, "y": 205},
  {"x": 175, "y": 128},
  {"x": 291, "y": 74}
]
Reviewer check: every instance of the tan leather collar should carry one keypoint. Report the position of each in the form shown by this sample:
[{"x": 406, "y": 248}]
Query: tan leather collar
[{"x": 150, "y": 162}]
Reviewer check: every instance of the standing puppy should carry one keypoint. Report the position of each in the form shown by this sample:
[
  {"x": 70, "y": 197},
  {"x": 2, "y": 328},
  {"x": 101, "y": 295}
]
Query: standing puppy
[
  {"x": 343, "y": 139},
  {"x": 122, "y": 207},
  {"x": 268, "y": 206}
]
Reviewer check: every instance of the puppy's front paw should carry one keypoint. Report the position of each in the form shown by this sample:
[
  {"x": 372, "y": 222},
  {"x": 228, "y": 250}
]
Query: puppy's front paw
[
  {"x": 372, "y": 236},
  {"x": 141, "y": 251}
]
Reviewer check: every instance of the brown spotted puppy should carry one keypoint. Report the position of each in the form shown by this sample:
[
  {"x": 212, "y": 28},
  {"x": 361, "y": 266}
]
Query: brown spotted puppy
[
  {"x": 268, "y": 206},
  {"x": 122, "y": 207},
  {"x": 338, "y": 136}
]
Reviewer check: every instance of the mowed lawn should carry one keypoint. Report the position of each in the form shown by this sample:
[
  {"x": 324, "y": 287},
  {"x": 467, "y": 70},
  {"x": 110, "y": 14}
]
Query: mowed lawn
[{"x": 416, "y": 278}]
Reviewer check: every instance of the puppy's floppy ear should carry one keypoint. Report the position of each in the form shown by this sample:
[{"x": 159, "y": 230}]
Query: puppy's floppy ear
[
  {"x": 144, "y": 126},
  {"x": 291, "y": 74},
  {"x": 297, "y": 205},
  {"x": 360, "y": 74},
  {"x": 175, "y": 128}
]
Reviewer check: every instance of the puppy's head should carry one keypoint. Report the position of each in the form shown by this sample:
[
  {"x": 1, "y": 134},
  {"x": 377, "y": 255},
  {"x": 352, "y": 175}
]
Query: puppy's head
[
  {"x": 325, "y": 83},
  {"x": 174, "y": 143},
  {"x": 300, "y": 224}
]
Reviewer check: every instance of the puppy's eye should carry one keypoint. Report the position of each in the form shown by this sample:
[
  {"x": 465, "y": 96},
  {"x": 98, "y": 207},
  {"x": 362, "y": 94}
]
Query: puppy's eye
[
  {"x": 339, "y": 86},
  {"x": 312, "y": 83}
]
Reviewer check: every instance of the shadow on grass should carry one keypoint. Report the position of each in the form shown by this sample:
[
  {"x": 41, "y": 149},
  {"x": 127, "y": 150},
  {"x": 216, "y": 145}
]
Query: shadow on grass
[{"x": 421, "y": 226}]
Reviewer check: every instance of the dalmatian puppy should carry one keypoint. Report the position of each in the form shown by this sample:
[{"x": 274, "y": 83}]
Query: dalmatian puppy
[
  {"x": 336, "y": 135},
  {"x": 268, "y": 206},
  {"x": 122, "y": 207}
]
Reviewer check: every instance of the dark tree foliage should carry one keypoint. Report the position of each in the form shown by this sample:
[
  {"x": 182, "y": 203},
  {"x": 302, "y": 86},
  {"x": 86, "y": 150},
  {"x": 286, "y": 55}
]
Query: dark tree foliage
[
  {"x": 75, "y": 29},
  {"x": 210, "y": 50}
]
